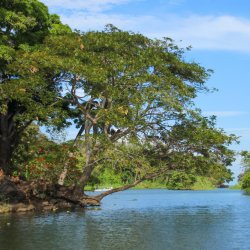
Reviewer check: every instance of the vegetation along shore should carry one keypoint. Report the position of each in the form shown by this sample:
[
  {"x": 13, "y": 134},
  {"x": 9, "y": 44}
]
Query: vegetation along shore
[{"x": 132, "y": 99}]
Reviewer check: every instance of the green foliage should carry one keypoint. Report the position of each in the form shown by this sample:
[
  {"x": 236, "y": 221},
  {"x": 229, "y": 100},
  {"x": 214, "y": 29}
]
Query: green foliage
[
  {"x": 180, "y": 180},
  {"x": 203, "y": 183},
  {"x": 236, "y": 187},
  {"x": 140, "y": 88},
  {"x": 131, "y": 97},
  {"x": 244, "y": 178},
  {"x": 152, "y": 184},
  {"x": 27, "y": 78},
  {"x": 109, "y": 177},
  {"x": 139, "y": 92},
  {"x": 37, "y": 157},
  {"x": 47, "y": 162},
  {"x": 246, "y": 181},
  {"x": 56, "y": 27},
  {"x": 246, "y": 160},
  {"x": 23, "y": 21},
  {"x": 27, "y": 22}
]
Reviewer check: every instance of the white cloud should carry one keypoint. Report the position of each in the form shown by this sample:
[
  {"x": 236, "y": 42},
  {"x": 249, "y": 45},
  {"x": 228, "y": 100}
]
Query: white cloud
[
  {"x": 214, "y": 32},
  {"x": 209, "y": 32},
  {"x": 91, "y": 21},
  {"x": 225, "y": 113},
  {"x": 89, "y": 5}
]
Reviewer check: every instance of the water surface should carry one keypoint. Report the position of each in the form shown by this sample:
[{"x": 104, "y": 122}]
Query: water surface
[{"x": 138, "y": 219}]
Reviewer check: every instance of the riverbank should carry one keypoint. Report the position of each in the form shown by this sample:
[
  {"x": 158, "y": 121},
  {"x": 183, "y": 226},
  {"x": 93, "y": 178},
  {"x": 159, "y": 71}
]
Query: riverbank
[
  {"x": 38, "y": 206},
  {"x": 235, "y": 187},
  {"x": 200, "y": 184},
  {"x": 23, "y": 196}
]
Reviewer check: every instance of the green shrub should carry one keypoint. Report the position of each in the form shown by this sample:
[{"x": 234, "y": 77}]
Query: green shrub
[
  {"x": 181, "y": 180},
  {"x": 246, "y": 182}
]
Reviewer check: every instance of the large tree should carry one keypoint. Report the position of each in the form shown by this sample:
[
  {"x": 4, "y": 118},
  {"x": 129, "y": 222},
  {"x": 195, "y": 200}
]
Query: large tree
[
  {"x": 24, "y": 96},
  {"x": 127, "y": 89},
  {"x": 131, "y": 97}
]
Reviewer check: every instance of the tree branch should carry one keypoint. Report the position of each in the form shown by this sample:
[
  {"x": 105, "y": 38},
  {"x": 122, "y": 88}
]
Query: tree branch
[{"x": 122, "y": 188}]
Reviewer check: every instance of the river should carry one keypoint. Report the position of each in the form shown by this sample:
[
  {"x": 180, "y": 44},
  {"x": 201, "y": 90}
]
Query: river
[{"x": 140, "y": 220}]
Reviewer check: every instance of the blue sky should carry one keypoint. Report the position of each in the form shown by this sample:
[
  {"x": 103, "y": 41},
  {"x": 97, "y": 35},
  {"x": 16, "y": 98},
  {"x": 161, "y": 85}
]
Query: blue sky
[{"x": 218, "y": 31}]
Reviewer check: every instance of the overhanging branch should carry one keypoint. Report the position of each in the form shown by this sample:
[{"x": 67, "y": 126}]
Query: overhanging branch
[{"x": 122, "y": 188}]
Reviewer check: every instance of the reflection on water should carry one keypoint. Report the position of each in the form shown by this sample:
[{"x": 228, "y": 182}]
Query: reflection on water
[{"x": 139, "y": 219}]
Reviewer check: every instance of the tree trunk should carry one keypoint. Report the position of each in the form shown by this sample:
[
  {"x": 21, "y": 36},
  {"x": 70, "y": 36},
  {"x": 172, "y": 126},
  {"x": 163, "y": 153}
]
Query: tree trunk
[
  {"x": 63, "y": 174},
  {"x": 88, "y": 167},
  {"x": 6, "y": 148},
  {"x": 5, "y": 156}
]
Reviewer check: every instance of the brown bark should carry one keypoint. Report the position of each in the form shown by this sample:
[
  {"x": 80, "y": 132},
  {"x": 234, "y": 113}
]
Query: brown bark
[
  {"x": 88, "y": 167},
  {"x": 63, "y": 174},
  {"x": 123, "y": 188},
  {"x": 115, "y": 190},
  {"x": 5, "y": 156},
  {"x": 6, "y": 141},
  {"x": 10, "y": 134},
  {"x": 76, "y": 195},
  {"x": 41, "y": 195}
]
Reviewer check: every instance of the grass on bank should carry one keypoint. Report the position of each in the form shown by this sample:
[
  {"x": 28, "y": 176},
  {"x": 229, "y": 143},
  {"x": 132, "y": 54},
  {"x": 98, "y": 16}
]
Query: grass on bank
[
  {"x": 236, "y": 187},
  {"x": 201, "y": 183}
]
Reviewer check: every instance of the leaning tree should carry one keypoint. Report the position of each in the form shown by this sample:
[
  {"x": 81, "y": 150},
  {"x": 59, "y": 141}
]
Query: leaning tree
[{"x": 132, "y": 99}]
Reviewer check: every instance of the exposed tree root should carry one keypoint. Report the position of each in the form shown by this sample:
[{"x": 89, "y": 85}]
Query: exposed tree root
[{"x": 23, "y": 196}]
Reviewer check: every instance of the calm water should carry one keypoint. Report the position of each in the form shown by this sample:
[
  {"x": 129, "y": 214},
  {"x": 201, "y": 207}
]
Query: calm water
[{"x": 138, "y": 219}]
